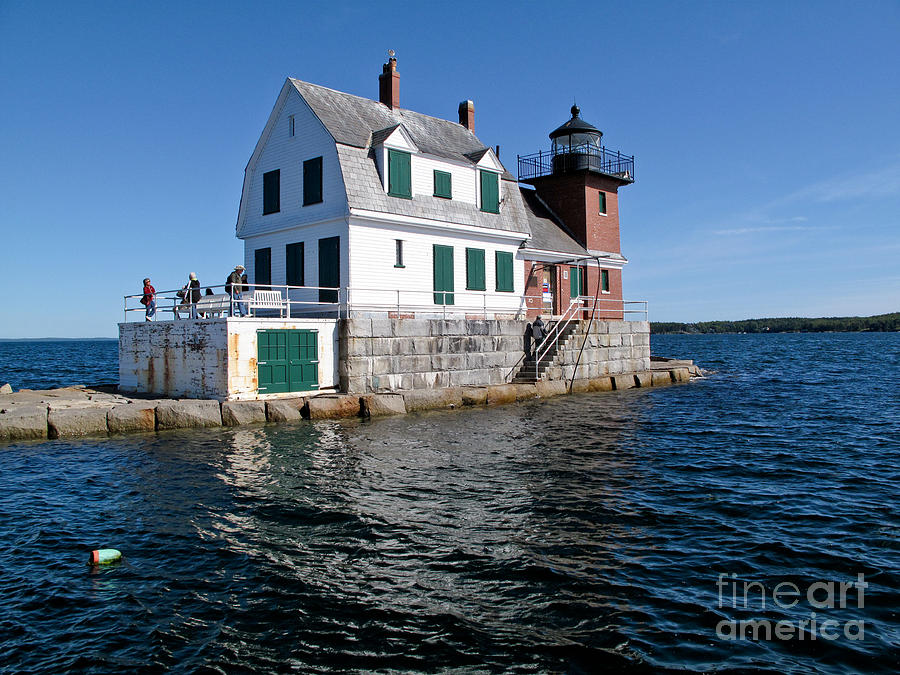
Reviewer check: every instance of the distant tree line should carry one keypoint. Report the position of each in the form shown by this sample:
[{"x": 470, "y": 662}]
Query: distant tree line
[{"x": 841, "y": 324}]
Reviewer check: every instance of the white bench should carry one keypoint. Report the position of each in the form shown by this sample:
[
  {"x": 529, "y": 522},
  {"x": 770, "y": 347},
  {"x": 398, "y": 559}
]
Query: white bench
[
  {"x": 214, "y": 305},
  {"x": 267, "y": 300}
]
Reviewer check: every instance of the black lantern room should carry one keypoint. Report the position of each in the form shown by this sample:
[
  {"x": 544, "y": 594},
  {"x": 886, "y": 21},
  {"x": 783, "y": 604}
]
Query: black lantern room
[{"x": 576, "y": 135}]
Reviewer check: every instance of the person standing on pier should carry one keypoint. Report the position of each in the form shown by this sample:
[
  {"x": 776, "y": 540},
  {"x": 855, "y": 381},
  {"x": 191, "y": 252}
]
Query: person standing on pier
[
  {"x": 149, "y": 300},
  {"x": 193, "y": 293},
  {"x": 234, "y": 286}
]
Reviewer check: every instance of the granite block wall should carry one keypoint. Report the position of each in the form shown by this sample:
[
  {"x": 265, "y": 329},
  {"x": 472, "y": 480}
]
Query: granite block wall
[{"x": 382, "y": 354}]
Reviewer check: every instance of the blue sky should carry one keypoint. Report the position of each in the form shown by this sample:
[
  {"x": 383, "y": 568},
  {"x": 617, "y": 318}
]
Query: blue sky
[{"x": 766, "y": 136}]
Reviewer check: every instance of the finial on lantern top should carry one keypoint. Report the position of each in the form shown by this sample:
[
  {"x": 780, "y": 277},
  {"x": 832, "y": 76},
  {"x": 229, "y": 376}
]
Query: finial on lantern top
[
  {"x": 576, "y": 111},
  {"x": 391, "y": 53}
]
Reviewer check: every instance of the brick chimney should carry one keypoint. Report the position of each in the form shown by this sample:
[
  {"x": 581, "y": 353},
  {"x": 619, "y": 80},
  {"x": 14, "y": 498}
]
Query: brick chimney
[
  {"x": 467, "y": 115},
  {"x": 389, "y": 83}
]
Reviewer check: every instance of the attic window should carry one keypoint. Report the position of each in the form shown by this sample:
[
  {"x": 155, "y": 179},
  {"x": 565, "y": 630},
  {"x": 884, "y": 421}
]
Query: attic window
[
  {"x": 442, "y": 184},
  {"x": 291, "y": 126},
  {"x": 271, "y": 192}
]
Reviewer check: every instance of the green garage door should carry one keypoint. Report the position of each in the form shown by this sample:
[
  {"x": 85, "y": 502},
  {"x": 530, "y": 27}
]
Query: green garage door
[{"x": 287, "y": 360}]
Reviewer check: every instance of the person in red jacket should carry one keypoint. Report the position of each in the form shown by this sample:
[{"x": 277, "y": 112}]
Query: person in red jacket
[{"x": 149, "y": 299}]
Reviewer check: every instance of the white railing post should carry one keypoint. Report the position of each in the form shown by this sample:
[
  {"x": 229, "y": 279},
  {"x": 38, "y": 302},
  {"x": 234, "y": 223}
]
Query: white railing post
[{"x": 398, "y": 303}]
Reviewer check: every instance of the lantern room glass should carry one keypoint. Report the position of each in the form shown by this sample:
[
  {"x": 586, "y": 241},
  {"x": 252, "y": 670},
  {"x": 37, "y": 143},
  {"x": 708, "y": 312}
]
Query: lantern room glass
[{"x": 577, "y": 142}]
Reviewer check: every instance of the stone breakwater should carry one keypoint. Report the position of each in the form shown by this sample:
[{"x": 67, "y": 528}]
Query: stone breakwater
[{"x": 81, "y": 411}]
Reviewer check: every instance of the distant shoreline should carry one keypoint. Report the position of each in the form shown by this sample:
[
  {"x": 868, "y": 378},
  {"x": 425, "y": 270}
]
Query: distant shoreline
[
  {"x": 58, "y": 339},
  {"x": 880, "y": 323}
]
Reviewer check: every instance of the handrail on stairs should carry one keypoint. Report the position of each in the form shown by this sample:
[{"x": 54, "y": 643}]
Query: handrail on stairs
[{"x": 552, "y": 338}]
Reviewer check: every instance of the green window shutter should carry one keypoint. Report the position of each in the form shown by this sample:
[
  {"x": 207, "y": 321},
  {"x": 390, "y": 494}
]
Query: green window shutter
[
  {"x": 490, "y": 192},
  {"x": 293, "y": 255},
  {"x": 262, "y": 267},
  {"x": 443, "y": 275},
  {"x": 329, "y": 268},
  {"x": 575, "y": 282},
  {"x": 442, "y": 184},
  {"x": 399, "y": 174},
  {"x": 504, "y": 271},
  {"x": 312, "y": 181},
  {"x": 398, "y": 258},
  {"x": 604, "y": 280},
  {"x": 475, "y": 269},
  {"x": 602, "y": 202},
  {"x": 271, "y": 192}
]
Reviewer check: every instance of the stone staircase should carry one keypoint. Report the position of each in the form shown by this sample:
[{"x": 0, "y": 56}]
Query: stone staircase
[{"x": 528, "y": 372}]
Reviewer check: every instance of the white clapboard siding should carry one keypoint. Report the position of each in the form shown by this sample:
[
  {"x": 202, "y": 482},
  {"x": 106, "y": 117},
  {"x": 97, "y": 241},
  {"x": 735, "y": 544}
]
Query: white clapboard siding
[
  {"x": 309, "y": 235},
  {"x": 287, "y": 153},
  {"x": 462, "y": 179},
  {"x": 373, "y": 255}
]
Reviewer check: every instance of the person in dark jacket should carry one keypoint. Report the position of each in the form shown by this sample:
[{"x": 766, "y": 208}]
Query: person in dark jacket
[
  {"x": 538, "y": 333},
  {"x": 193, "y": 294},
  {"x": 235, "y": 286}
]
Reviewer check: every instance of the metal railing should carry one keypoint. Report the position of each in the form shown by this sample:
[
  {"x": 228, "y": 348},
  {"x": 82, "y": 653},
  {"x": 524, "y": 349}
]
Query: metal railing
[
  {"x": 549, "y": 341},
  {"x": 309, "y": 301},
  {"x": 294, "y": 302},
  {"x": 478, "y": 303},
  {"x": 545, "y": 163}
]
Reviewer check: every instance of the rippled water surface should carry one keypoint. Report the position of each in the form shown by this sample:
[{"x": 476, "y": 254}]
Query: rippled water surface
[
  {"x": 577, "y": 534},
  {"x": 47, "y": 364}
]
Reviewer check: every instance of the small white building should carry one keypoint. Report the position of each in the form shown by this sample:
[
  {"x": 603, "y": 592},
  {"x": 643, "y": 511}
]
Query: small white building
[{"x": 398, "y": 209}]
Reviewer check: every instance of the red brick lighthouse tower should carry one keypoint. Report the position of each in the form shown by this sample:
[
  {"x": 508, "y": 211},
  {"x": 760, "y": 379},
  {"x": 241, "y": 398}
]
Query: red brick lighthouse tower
[{"x": 579, "y": 181}]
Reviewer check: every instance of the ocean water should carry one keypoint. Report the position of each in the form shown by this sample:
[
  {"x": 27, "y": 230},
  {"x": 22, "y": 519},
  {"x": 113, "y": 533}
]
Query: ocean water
[{"x": 596, "y": 532}]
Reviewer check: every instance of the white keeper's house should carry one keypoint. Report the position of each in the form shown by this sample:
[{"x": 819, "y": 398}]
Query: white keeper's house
[{"x": 412, "y": 254}]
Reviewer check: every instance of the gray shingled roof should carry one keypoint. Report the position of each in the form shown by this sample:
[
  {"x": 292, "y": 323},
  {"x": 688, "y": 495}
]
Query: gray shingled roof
[
  {"x": 545, "y": 233},
  {"x": 365, "y": 191},
  {"x": 352, "y": 120}
]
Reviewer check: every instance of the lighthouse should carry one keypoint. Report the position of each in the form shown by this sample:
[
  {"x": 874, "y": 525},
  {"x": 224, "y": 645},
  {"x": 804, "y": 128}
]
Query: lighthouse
[{"x": 578, "y": 181}]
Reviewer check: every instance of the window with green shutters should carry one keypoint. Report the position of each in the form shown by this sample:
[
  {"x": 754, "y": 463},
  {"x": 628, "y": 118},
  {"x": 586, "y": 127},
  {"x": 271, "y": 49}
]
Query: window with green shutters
[
  {"x": 399, "y": 174},
  {"x": 312, "y": 181},
  {"x": 293, "y": 260},
  {"x": 475, "y": 269},
  {"x": 576, "y": 282},
  {"x": 604, "y": 281},
  {"x": 504, "y": 267},
  {"x": 262, "y": 267},
  {"x": 329, "y": 269},
  {"x": 602, "y": 202},
  {"x": 442, "y": 184},
  {"x": 490, "y": 192},
  {"x": 271, "y": 192},
  {"x": 443, "y": 275}
]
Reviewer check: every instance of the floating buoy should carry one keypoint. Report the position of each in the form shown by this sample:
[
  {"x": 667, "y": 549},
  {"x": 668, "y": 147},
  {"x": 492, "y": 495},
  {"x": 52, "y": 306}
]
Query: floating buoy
[{"x": 104, "y": 556}]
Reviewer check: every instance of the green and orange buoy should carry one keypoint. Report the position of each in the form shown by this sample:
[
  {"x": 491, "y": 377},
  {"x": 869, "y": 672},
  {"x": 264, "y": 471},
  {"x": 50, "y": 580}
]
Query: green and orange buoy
[{"x": 105, "y": 556}]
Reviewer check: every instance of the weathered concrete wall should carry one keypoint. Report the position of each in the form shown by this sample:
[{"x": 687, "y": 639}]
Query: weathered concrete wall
[
  {"x": 209, "y": 358},
  {"x": 186, "y": 358},
  {"x": 382, "y": 355},
  {"x": 612, "y": 347}
]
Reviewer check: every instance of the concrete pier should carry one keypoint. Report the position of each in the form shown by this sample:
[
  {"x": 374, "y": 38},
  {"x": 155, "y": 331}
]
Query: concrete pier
[{"x": 73, "y": 412}]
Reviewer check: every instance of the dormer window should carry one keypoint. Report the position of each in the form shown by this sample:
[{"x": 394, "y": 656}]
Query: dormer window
[
  {"x": 490, "y": 191},
  {"x": 399, "y": 174}
]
